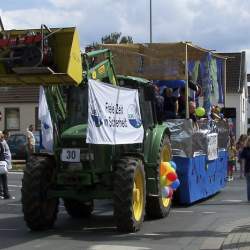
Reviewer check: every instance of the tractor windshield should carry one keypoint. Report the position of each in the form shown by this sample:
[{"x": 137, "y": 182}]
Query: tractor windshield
[{"x": 77, "y": 105}]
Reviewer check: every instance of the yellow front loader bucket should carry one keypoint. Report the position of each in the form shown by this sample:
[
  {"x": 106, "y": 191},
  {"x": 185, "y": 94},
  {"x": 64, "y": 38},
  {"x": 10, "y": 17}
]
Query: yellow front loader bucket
[{"x": 40, "y": 57}]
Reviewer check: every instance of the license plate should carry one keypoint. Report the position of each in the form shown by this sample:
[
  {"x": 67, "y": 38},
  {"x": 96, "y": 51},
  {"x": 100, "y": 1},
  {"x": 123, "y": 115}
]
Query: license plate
[{"x": 70, "y": 155}]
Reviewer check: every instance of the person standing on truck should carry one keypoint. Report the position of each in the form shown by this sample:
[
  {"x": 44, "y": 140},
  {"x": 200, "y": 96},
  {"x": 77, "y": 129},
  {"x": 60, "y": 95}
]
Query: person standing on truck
[
  {"x": 159, "y": 103},
  {"x": 30, "y": 141},
  {"x": 170, "y": 104},
  {"x": 192, "y": 115}
]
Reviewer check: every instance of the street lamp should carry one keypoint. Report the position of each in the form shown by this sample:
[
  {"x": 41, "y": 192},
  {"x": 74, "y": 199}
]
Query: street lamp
[{"x": 150, "y": 19}]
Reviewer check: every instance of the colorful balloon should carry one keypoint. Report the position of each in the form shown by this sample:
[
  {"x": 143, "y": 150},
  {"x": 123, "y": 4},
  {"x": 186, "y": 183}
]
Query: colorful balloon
[
  {"x": 170, "y": 194},
  {"x": 168, "y": 182},
  {"x": 200, "y": 111},
  {"x": 163, "y": 180},
  {"x": 171, "y": 176},
  {"x": 169, "y": 169},
  {"x": 173, "y": 164},
  {"x": 175, "y": 184},
  {"x": 165, "y": 192},
  {"x": 163, "y": 168}
]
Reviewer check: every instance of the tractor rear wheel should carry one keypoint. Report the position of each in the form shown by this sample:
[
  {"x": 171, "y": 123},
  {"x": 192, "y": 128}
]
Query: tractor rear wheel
[
  {"x": 78, "y": 209},
  {"x": 158, "y": 206},
  {"x": 129, "y": 194},
  {"x": 39, "y": 210}
]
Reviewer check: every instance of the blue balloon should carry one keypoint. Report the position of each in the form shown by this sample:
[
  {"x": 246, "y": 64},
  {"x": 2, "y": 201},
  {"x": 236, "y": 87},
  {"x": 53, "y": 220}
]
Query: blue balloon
[
  {"x": 175, "y": 184},
  {"x": 165, "y": 192},
  {"x": 173, "y": 165}
]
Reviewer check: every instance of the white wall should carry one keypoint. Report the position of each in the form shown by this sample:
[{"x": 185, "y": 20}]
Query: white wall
[
  {"x": 27, "y": 114},
  {"x": 239, "y": 102}
]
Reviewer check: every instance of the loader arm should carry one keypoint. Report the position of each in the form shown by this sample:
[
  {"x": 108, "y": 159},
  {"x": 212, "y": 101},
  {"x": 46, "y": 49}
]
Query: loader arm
[{"x": 99, "y": 65}]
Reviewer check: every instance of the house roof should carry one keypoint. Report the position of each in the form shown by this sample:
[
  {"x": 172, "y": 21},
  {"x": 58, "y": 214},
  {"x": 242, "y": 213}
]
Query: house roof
[
  {"x": 236, "y": 71},
  {"x": 19, "y": 94}
]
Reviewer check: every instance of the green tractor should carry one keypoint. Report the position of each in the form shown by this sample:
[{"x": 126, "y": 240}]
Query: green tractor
[{"x": 77, "y": 172}]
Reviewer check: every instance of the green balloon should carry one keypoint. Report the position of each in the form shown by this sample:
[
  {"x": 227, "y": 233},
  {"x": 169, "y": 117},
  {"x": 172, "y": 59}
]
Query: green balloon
[{"x": 200, "y": 111}]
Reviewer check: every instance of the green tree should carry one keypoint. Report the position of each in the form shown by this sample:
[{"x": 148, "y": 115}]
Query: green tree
[{"x": 115, "y": 38}]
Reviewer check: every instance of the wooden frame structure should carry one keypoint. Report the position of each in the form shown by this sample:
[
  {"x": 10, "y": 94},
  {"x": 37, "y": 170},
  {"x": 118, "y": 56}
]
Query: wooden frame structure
[{"x": 160, "y": 61}]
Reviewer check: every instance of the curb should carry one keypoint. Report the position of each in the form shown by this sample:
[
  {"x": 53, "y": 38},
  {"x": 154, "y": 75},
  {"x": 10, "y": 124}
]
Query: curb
[{"x": 225, "y": 230}]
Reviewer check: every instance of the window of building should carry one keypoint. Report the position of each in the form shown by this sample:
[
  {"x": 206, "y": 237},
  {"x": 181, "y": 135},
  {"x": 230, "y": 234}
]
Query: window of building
[
  {"x": 37, "y": 121},
  {"x": 248, "y": 121},
  {"x": 12, "y": 118}
]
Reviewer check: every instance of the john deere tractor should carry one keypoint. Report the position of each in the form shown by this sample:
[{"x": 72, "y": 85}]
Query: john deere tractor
[{"x": 77, "y": 172}]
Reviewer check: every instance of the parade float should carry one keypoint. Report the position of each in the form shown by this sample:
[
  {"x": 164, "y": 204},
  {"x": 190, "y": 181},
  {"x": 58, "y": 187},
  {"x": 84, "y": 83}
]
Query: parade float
[{"x": 199, "y": 150}]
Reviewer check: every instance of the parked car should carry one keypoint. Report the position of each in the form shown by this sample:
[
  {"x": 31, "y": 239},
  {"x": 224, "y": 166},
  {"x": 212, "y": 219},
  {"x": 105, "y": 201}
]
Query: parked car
[{"x": 17, "y": 144}]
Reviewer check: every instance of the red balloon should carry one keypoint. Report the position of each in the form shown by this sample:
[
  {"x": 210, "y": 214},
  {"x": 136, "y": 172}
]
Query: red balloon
[{"x": 172, "y": 176}]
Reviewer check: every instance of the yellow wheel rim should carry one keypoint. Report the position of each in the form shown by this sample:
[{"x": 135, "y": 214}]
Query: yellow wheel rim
[
  {"x": 165, "y": 156},
  {"x": 138, "y": 194}
]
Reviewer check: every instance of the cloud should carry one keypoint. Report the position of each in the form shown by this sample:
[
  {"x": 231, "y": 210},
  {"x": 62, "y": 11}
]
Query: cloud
[{"x": 221, "y": 25}]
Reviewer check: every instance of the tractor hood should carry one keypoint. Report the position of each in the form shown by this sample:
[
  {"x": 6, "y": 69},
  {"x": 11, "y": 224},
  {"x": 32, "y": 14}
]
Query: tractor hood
[{"x": 75, "y": 132}]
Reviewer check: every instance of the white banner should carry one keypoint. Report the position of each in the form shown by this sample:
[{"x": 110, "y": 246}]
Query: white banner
[
  {"x": 46, "y": 123},
  {"x": 212, "y": 146},
  {"x": 113, "y": 115}
]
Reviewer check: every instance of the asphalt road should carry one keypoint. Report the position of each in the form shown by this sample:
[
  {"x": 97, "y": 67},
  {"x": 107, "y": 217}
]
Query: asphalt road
[{"x": 185, "y": 227}]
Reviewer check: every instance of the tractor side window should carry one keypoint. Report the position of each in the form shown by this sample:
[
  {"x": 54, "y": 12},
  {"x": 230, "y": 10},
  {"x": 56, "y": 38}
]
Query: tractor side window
[{"x": 77, "y": 105}]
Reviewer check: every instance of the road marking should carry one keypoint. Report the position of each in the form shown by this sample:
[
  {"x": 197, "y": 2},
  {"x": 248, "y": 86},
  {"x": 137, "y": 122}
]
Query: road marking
[
  {"x": 232, "y": 201},
  {"x": 11, "y": 204},
  {"x": 153, "y": 234},
  {"x": 182, "y": 211},
  {"x": 8, "y": 229},
  {"x": 117, "y": 247},
  {"x": 208, "y": 212}
]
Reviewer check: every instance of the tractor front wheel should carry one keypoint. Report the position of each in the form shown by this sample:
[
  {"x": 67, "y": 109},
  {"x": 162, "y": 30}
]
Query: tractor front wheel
[
  {"x": 129, "y": 194},
  {"x": 158, "y": 206},
  {"x": 39, "y": 210}
]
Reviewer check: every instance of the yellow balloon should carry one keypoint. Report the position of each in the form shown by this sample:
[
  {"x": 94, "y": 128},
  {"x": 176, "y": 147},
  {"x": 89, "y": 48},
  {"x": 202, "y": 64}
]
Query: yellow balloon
[
  {"x": 163, "y": 181},
  {"x": 169, "y": 169},
  {"x": 163, "y": 168}
]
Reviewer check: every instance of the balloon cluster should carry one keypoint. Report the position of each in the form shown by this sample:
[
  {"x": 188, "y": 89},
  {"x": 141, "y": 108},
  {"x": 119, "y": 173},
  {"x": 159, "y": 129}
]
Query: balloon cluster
[
  {"x": 168, "y": 179},
  {"x": 200, "y": 111}
]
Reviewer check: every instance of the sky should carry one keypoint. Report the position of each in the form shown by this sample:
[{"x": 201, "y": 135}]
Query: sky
[{"x": 221, "y": 25}]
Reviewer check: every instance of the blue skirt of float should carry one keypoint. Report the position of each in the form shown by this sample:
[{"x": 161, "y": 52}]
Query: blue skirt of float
[{"x": 200, "y": 178}]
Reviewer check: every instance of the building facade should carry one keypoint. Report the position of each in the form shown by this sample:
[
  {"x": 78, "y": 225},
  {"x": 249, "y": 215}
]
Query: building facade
[
  {"x": 19, "y": 108},
  {"x": 236, "y": 91}
]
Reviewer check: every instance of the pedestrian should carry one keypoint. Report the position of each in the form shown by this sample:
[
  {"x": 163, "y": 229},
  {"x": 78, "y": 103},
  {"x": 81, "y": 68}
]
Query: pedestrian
[
  {"x": 232, "y": 153},
  {"x": 5, "y": 157},
  {"x": 30, "y": 141},
  {"x": 245, "y": 161},
  {"x": 239, "y": 146}
]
